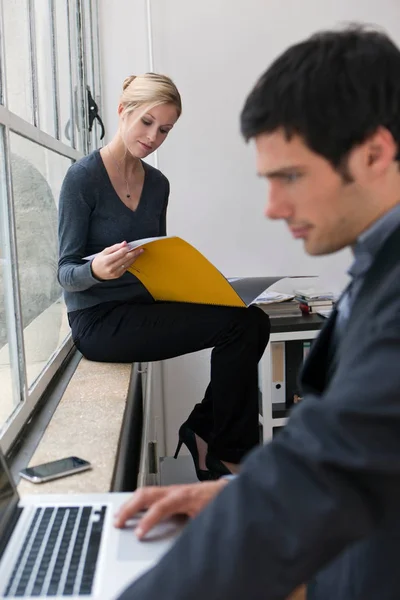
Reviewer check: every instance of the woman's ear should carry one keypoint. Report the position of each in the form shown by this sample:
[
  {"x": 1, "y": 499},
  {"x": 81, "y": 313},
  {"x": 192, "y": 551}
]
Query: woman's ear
[{"x": 120, "y": 109}]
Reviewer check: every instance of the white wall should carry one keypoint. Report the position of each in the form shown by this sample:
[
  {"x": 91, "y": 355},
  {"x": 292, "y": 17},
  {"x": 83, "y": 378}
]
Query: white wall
[
  {"x": 215, "y": 50},
  {"x": 123, "y": 52}
]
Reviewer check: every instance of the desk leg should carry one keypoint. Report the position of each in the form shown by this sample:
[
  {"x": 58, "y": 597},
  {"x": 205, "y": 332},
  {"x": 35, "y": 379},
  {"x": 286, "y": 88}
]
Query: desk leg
[{"x": 265, "y": 374}]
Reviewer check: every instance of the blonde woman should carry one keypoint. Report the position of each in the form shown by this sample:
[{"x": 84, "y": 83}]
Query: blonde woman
[{"x": 110, "y": 197}]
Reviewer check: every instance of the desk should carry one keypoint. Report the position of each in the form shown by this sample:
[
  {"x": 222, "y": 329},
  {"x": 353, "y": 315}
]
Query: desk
[{"x": 273, "y": 368}]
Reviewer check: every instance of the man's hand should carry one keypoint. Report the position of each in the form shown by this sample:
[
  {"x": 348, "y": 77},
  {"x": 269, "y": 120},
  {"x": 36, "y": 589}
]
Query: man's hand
[
  {"x": 114, "y": 261},
  {"x": 163, "y": 502}
]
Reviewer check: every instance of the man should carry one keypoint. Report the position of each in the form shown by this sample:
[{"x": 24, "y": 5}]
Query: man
[{"x": 321, "y": 502}]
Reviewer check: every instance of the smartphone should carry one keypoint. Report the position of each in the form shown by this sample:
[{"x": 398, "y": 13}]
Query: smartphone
[{"x": 55, "y": 469}]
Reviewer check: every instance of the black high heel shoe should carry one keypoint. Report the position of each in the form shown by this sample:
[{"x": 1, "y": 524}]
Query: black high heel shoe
[
  {"x": 188, "y": 437},
  {"x": 216, "y": 466}
]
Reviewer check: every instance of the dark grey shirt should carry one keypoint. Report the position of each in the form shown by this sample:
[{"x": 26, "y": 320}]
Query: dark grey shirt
[
  {"x": 92, "y": 217},
  {"x": 367, "y": 247}
]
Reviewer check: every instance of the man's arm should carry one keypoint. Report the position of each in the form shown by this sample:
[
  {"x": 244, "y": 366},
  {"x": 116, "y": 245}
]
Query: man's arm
[{"x": 328, "y": 479}]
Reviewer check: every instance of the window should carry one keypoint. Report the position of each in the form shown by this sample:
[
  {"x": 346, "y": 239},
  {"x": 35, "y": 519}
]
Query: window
[
  {"x": 48, "y": 60},
  {"x": 17, "y": 58},
  {"x": 9, "y": 388}
]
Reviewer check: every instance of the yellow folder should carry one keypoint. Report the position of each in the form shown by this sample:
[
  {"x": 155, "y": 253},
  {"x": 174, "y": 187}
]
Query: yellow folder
[{"x": 173, "y": 270}]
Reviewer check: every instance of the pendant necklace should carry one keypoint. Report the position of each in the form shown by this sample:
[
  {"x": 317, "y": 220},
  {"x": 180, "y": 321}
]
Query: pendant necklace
[{"x": 128, "y": 192}]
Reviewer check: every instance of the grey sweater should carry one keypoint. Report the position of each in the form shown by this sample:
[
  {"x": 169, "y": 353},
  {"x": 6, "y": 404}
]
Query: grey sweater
[{"x": 92, "y": 217}]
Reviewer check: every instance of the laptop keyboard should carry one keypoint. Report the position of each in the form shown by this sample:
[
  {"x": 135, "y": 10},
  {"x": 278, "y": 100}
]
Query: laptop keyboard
[{"x": 59, "y": 553}]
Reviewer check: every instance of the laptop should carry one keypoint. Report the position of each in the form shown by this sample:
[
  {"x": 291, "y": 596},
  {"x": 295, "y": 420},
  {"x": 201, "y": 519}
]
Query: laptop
[{"x": 66, "y": 546}]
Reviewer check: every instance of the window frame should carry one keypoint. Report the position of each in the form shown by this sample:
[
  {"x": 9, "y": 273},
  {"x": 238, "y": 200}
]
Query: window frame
[{"x": 27, "y": 398}]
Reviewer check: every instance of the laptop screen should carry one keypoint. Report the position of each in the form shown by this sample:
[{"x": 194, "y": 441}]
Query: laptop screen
[{"x": 8, "y": 499}]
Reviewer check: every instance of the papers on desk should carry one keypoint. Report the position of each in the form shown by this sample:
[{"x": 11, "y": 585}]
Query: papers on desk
[
  {"x": 313, "y": 295},
  {"x": 278, "y": 304},
  {"x": 326, "y": 313},
  {"x": 268, "y": 297}
]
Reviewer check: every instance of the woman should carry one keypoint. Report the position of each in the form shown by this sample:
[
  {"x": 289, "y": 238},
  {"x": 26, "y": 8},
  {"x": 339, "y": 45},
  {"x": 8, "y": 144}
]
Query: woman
[{"x": 111, "y": 197}]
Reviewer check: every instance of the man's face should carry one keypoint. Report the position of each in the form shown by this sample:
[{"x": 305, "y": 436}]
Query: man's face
[{"x": 318, "y": 206}]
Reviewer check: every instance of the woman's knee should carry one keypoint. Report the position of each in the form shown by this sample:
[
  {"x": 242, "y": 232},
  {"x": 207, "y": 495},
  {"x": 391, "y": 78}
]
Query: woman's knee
[
  {"x": 255, "y": 323},
  {"x": 259, "y": 319}
]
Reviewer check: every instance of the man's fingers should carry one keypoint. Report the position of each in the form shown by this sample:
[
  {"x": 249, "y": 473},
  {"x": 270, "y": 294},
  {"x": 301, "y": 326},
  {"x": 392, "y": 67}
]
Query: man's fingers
[
  {"x": 140, "y": 500},
  {"x": 164, "y": 508}
]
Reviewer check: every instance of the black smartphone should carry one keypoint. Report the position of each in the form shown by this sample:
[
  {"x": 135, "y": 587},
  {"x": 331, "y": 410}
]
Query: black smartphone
[{"x": 55, "y": 469}]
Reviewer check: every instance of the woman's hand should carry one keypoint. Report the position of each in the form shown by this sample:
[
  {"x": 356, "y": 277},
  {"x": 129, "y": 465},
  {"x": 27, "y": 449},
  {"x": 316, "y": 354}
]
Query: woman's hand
[
  {"x": 112, "y": 262},
  {"x": 163, "y": 502}
]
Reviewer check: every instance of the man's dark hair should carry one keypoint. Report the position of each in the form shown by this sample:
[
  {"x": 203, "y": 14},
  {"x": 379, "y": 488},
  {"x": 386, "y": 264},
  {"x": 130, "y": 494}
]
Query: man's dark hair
[{"x": 334, "y": 90}]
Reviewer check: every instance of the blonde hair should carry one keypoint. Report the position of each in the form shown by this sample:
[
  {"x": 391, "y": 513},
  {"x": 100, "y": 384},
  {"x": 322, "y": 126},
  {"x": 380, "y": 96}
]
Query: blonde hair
[{"x": 150, "y": 90}]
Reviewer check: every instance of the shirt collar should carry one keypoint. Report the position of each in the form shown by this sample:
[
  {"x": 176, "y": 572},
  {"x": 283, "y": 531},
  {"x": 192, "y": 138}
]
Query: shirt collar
[{"x": 371, "y": 241}]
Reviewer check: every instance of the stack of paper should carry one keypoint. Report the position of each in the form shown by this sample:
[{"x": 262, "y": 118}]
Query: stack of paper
[
  {"x": 314, "y": 301},
  {"x": 313, "y": 294},
  {"x": 271, "y": 297}
]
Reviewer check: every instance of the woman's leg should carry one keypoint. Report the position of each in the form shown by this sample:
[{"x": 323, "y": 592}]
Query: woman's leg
[
  {"x": 228, "y": 416},
  {"x": 232, "y": 395},
  {"x": 204, "y": 413}
]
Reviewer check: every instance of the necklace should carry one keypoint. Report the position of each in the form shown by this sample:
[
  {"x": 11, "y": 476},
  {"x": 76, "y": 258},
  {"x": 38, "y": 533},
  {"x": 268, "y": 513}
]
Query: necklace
[{"x": 128, "y": 192}]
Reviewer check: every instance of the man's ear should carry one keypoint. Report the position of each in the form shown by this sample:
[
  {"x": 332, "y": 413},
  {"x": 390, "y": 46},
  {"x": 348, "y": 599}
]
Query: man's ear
[{"x": 375, "y": 156}]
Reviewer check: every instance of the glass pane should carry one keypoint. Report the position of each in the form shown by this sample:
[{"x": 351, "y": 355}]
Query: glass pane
[
  {"x": 9, "y": 392},
  {"x": 44, "y": 50},
  {"x": 64, "y": 69},
  {"x": 7, "y": 399},
  {"x": 37, "y": 175},
  {"x": 17, "y": 59}
]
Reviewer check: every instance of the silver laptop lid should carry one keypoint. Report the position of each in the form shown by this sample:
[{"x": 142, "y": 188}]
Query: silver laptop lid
[{"x": 8, "y": 504}]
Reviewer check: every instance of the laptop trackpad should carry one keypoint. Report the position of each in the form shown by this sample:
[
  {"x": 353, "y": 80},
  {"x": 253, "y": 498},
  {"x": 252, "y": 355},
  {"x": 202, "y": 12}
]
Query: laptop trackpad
[{"x": 157, "y": 540}]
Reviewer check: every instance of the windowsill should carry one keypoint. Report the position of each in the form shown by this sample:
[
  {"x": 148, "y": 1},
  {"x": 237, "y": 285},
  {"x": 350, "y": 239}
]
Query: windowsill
[{"x": 87, "y": 423}]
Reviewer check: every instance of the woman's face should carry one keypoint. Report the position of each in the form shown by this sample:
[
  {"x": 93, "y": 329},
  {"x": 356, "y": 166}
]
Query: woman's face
[{"x": 144, "y": 135}]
